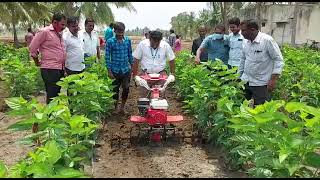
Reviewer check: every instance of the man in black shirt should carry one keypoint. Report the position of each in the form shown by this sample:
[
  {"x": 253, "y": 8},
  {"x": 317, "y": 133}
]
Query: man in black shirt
[{"x": 197, "y": 42}]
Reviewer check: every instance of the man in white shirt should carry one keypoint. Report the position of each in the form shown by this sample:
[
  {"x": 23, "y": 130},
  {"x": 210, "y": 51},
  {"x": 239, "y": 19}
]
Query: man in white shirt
[
  {"x": 152, "y": 53},
  {"x": 90, "y": 40},
  {"x": 261, "y": 63},
  {"x": 74, "y": 47}
]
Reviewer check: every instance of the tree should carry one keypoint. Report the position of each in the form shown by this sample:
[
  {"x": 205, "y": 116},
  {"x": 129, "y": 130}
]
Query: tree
[
  {"x": 223, "y": 6},
  {"x": 191, "y": 23},
  {"x": 99, "y": 11},
  {"x": 258, "y": 9},
  {"x": 17, "y": 12},
  {"x": 184, "y": 24},
  {"x": 226, "y": 10}
]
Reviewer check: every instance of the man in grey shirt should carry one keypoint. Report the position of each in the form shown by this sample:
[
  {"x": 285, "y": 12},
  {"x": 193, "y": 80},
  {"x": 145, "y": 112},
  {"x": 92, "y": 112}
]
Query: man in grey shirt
[
  {"x": 172, "y": 38},
  {"x": 261, "y": 63}
]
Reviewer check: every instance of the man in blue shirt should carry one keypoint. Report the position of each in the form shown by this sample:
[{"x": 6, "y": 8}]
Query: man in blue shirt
[
  {"x": 108, "y": 32},
  {"x": 217, "y": 46},
  {"x": 235, "y": 42},
  {"x": 119, "y": 61}
]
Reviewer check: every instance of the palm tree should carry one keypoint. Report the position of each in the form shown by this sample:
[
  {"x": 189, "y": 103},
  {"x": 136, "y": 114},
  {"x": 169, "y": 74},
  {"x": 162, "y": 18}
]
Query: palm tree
[
  {"x": 99, "y": 11},
  {"x": 17, "y": 12},
  {"x": 225, "y": 10},
  {"x": 191, "y": 24}
]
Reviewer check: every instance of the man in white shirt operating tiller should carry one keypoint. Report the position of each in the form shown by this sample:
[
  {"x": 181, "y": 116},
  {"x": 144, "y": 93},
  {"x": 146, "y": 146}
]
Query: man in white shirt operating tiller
[{"x": 152, "y": 53}]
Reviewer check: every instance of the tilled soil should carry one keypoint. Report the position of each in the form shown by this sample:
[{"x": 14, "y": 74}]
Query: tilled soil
[
  {"x": 172, "y": 159},
  {"x": 10, "y": 151},
  {"x": 175, "y": 159}
]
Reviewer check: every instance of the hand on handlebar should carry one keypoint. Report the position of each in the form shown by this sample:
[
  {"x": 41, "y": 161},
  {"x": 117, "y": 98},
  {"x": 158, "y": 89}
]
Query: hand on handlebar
[
  {"x": 170, "y": 79},
  {"x": 141, "y": 82}
]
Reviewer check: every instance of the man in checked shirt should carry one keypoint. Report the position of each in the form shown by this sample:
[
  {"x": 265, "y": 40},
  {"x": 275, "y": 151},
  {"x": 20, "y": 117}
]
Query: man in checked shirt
[
  {"x": 261, "y": 63},
  {"x": 119, "y": 61}
]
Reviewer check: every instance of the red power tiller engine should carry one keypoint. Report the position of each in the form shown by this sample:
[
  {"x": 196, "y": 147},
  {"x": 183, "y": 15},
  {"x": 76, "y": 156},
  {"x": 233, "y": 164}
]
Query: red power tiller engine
[{"x": 153, "y": 111}]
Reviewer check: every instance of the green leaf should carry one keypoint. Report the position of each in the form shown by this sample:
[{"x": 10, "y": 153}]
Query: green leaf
[
  {"x": 15, "y": 103},
  {"x": 312, "y": 122},
  {"x": 25, "y": 124},
  {"x": 282, "y": 156},
  {"x": 31, "y": 137},
  {"x": 260, "y": 172},
  {"x": 3, "y": 170},
  {"x": 293, "y": 168},
  {"x": 40, "y": 170},
  {"x": 263, "y": 117},
  {"x": 54, "y": 152},
  {"x": 69, "y": 173},
  {"x": 294, "y": 106},
  {"x": 297, "y": 141},
  {"x": 276, "y": 164},
  {"x": 245, "y": 152},
  {"x": 241, "y": 138},
  {"x": 246, "y": 127},
  {"x": 39, "y": 115},
  {"x": 312, "y": 159}
]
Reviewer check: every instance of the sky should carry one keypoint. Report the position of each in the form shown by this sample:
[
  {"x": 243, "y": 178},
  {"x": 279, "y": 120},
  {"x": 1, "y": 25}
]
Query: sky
[{"x": 154, "y": 14}]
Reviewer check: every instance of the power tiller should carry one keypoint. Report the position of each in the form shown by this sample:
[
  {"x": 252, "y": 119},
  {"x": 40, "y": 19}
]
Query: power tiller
[{"x": 153, "y": 124}]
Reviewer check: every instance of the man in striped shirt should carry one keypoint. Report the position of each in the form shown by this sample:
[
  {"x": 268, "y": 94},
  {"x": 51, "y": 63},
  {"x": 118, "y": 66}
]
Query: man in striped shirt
[{"x": 119, "y": 61}]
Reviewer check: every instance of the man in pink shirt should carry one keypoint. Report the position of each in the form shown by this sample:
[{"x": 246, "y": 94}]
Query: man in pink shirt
[
  {"x": 49, "y": 42},
  {"x": 28, "y": 37}
]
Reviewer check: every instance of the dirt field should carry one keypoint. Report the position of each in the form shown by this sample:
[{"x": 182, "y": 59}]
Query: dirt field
[{"x": 172, "y": 159}]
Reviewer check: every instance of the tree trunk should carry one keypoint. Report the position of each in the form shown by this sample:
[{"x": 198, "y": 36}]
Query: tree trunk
[
  {"x": 225, "y": 18},
  {"x": 294, "y": 23},
  {"x": 44, "y": 23},
  {"x": 223, "y": 13},
  {"x": 13, "y": 23},
  {"x": 15, "y": 36},
  {"x": 259, "y": 14}
]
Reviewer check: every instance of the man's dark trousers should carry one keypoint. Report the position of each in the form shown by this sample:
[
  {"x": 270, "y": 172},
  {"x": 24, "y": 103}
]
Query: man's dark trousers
[{"x": 50, "y": 78}]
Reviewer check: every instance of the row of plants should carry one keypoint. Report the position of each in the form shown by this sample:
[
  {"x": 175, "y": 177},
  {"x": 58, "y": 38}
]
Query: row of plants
[
  {"x": 68, "y": 126},
  {"x": 301, "y": 76},
  {"x": 18, "y": 72},
  {"x": 277, "y": 139}
]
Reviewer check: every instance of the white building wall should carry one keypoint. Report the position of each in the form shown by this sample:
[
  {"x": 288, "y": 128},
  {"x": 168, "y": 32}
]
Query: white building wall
[{"x": 278, "y": 22}]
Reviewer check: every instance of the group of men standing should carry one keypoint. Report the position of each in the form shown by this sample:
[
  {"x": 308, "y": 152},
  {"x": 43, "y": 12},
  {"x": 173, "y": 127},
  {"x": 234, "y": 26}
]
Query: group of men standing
[
  {"x": 256, "y": 54},
  {"x": 63, "y": 51}
]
